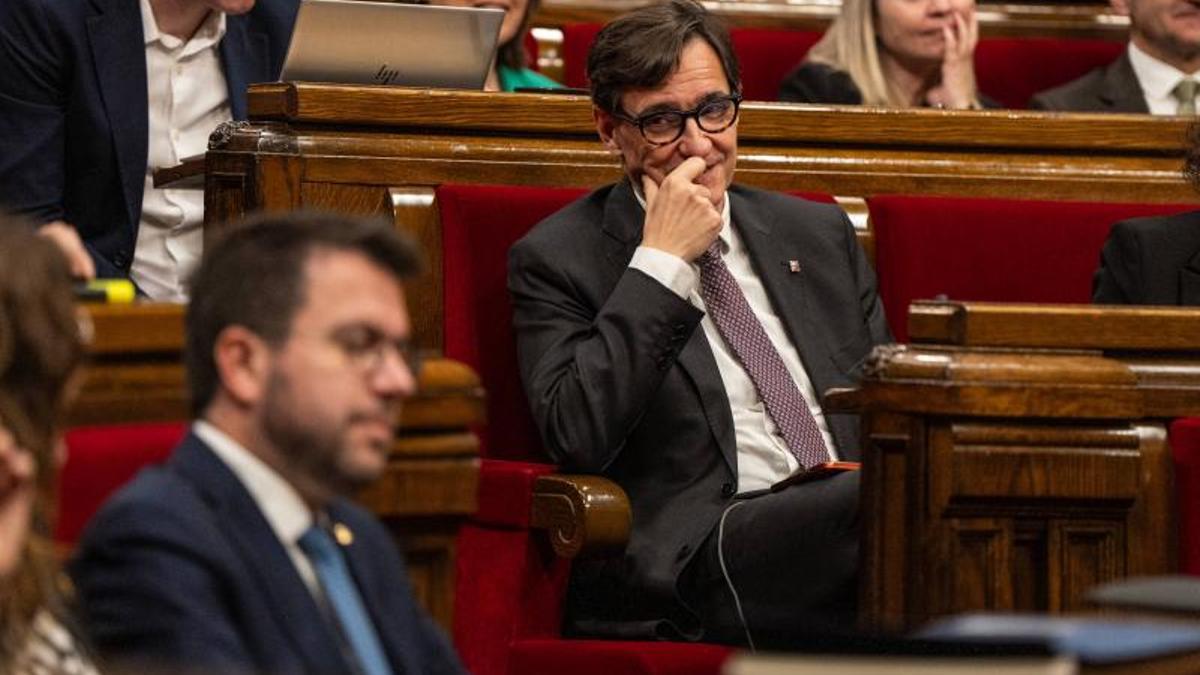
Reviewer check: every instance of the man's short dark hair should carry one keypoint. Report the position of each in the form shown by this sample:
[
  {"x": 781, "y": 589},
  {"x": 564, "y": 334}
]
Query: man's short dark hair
[
  {"x": 642, "y": 48},
  {"x": 254, "y": 276}
]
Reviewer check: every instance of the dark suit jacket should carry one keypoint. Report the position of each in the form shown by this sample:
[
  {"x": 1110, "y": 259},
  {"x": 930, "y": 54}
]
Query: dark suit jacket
[
  {"x": 181, "y": 567},
  {"x": 818, "y": 83},
  {"x": 622, "y": 382},
  {"x": 1113, "y": 88},
  {"x": 73, "y": 109},
  {"x": 1151, "y": 261}
]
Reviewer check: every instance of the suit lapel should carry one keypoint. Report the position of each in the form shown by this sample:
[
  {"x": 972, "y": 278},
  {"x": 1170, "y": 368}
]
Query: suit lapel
[
  {"x": 1121, "y": 91},
  {"x": 1189, "y": 282},
  {"x": 244, "y": 58},
  {"x": 623, "y": 222},
  {"x": 119, "y": 56},
  {"x": 782, "y": 265},
  {"x": 296, "y": 611}
]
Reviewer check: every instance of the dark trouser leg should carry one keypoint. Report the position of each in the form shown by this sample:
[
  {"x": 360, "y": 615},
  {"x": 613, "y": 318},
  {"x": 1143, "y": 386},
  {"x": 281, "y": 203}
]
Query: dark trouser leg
[{"x": 792, "y": 557}]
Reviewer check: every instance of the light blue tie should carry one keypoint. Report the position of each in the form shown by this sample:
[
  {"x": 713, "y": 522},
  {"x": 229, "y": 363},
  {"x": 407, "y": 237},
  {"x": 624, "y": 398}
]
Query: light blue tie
[{"x": 343, "y": 597}]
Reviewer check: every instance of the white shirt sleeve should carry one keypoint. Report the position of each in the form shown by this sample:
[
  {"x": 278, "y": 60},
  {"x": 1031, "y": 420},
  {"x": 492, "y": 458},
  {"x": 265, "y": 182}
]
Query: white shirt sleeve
[{"x": 669, "y": 270}]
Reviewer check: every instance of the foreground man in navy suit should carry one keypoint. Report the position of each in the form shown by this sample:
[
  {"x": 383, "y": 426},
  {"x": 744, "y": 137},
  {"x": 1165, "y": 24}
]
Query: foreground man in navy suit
[{"x": 241, "y": 553}]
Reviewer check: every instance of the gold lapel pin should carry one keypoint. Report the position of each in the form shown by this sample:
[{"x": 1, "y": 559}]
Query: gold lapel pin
[{"x": 343, "y": 534}]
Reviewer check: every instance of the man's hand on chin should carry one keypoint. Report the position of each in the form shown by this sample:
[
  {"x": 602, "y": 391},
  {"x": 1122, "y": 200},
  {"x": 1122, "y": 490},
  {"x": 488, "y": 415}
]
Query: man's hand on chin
[
  {"x": 67, "y": 239},
  {"x": 680, "y": 217}
]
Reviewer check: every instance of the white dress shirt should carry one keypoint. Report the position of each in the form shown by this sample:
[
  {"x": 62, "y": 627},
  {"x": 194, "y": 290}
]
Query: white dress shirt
[
  {"x": 1158, "y": 80},
  {"x": 762, "y": 454},
  {"x": 188, "y": 98},
  {"x": 286, "y": 513}
]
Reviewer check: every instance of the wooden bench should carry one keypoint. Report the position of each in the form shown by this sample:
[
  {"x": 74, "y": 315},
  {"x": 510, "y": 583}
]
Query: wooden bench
[{"x": 1027, "y": 445}]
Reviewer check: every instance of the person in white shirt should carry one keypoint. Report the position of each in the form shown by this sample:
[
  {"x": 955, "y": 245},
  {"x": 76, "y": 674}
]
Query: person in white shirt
[
  {"x": 244, "y": 552},
  {"x": 1159, "y": 73},
  {"x": 95, "y": 95}
]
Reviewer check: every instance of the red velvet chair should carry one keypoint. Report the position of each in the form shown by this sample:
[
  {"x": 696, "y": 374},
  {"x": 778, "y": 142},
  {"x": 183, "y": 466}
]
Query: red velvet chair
[
  {"x": 509, "y": 600},
  {"x": 1001, "y": 250},
  {"x": 100, "y": 460},
  {"x": 1012, "y": 70},
  {"x": 766, "y": 55}
]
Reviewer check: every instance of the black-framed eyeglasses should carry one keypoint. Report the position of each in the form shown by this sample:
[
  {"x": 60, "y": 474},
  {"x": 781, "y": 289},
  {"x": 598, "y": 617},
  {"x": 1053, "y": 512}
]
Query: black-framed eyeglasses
[{"x": 666, "y": 126}]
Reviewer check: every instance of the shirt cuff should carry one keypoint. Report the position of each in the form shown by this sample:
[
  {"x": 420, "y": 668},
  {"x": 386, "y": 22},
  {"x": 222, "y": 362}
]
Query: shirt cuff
[{"x": 669, "y": 270}]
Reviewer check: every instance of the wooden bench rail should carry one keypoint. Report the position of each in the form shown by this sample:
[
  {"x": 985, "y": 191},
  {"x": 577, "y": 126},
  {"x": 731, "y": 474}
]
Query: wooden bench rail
[
  {"x": 587, "y": 515},
  {"x": 1010, "y": 479}
]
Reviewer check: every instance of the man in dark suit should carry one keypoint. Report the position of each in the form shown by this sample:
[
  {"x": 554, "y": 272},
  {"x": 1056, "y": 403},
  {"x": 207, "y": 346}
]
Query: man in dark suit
[
  {"x": 1154, "y": 260},
  {"x": 1156, "y": 74},
  {"x": 674, "y": 332},
  {"x": 242, "y": 553},
  {"x": 95, "y": 94}
]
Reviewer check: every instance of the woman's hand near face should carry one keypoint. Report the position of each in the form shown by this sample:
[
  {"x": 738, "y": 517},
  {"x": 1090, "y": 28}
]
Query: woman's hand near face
[
  {"x": 957, "y": 88},
  {"x": 16, "y": 501}
]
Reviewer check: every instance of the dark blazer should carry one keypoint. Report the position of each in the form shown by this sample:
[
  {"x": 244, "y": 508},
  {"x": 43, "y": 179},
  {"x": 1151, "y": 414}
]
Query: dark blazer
[
  {"x": 1113, "y": 88},
  {"x": 182, "y": 568},
  {"x": 818, "y": 83},
  {"x": 622, "y": 382},
  {"x": 73, "y": 109},
  {"x": 1151, "y": 261}
]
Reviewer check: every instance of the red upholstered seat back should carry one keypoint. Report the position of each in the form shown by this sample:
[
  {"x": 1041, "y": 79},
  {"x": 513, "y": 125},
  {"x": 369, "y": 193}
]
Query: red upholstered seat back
[
  {"x": 479, "y": 224},
  {"x": 1011, "y": 70},
  {"x": 1185, "y": 450},
  {"x": 577, "y": 40},
  {"x": 766, "y": 56},
  {"x": 1000, "y": 250},
  {"x": 100, "y": 460}
]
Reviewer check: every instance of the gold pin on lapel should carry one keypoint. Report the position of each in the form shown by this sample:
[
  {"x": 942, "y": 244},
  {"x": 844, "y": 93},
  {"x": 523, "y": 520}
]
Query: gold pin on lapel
[
  {"x": 343, "y": 534},
  {"x": 794, "y": 266}
]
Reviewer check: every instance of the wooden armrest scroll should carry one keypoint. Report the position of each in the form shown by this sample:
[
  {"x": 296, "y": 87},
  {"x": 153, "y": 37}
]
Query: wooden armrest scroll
[{"x": 584, "y": 514}]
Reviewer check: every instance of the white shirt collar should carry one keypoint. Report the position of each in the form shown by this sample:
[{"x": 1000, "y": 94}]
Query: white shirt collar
[
  {"x": 279, "y": 502},
  {"x": 726, "y": 233},
  {"x": 208, "y": 34},
  {"x": 1158, "y": 79}
]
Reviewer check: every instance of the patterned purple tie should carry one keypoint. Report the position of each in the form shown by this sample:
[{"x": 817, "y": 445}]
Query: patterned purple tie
[{"x": 744, "y": 334}]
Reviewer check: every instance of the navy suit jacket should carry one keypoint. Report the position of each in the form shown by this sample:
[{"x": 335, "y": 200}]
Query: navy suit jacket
[
  {"x": 181, "y": 568},
  {"x": 73, "y": 109},
  {"x": 622, "y": 382}
]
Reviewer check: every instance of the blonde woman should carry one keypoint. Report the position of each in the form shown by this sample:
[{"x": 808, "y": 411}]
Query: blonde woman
[
  {"x": 895, "y": 53},
  {"x": 40, "y": 349}
]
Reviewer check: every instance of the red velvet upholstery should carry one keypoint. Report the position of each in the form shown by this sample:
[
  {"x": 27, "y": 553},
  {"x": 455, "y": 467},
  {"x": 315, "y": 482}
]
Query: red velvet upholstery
[
  {"x": 509, "y": 597},
  {"x": 479, "y": 223},
  {"x": 990, "y": 249},
  {"x": 577, "y": 40},
  {"x": 1011, "y": 70},
  {"x": 102, "y": 459},
  {"x": 766, "y": 56},
  {"x": 1185, "y": 449},
  {"x": 602, "y": 657}
]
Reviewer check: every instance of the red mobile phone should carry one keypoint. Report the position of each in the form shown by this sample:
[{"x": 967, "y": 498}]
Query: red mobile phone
[{"x": 817, "y": 472}]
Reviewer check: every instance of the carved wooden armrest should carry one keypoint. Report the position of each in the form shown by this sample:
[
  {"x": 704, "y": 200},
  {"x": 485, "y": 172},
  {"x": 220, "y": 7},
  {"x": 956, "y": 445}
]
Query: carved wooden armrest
[{"x": 583, "y": 514}]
